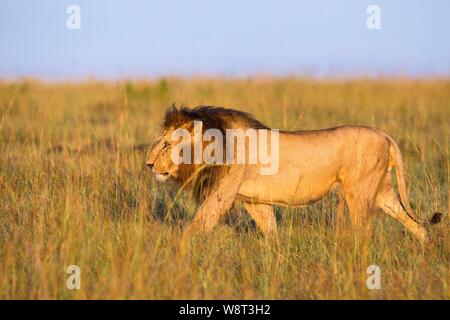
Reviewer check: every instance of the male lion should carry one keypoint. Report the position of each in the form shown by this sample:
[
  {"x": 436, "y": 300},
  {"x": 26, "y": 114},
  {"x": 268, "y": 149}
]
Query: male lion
[{"x": 356, "y": 160}]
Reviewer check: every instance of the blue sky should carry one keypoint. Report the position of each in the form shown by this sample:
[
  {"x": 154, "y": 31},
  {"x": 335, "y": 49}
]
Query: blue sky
[{"x": 138, "y": 38}]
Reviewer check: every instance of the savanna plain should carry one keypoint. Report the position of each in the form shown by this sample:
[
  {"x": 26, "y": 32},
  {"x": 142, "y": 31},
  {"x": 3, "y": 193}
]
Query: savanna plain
[{"x": 74, "y": 190}]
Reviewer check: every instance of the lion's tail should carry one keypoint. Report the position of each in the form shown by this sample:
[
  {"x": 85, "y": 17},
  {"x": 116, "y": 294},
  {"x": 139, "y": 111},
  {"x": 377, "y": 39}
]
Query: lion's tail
[{"x": 397, "y": 162}]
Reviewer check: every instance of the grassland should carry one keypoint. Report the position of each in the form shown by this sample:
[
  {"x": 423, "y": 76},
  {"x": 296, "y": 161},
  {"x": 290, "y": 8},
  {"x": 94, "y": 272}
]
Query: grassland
[{"x": 74, "y": 191}]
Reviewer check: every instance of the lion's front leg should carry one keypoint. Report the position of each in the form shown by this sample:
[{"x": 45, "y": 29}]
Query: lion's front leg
[
  {"x": 340, "y": 214},
  {"x": 264, "y": 218},
  {"x": 219, "y": 201}
]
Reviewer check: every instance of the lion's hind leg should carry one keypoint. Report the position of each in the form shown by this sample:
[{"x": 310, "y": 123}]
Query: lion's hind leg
[
  {"x": 264, "y": 217},
  {"x": 360, "y": 207},
  {"x": 360, "y": 191},
  {"x": 388, "y": 201}
]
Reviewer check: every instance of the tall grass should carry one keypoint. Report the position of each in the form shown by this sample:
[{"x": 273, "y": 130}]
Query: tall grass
[{"x": 74, "y": 191}]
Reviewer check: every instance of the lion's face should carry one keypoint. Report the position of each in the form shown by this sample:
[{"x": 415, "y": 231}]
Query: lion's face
[{"x": 159, "y": 159}]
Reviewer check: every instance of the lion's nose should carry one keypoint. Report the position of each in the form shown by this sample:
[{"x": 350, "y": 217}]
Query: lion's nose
[{"x": 150, "y": 165}]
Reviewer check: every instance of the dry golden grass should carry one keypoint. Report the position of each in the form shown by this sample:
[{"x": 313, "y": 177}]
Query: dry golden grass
[{"x": 74, "y": 190}]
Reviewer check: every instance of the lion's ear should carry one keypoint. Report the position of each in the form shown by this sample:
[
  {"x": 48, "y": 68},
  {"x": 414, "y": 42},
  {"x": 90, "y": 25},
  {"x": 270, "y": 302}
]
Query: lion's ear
[
  {"x": 172, "y": 111},
  {"x": 173, "y": 107},
  {"x": 172, "y": 116}
]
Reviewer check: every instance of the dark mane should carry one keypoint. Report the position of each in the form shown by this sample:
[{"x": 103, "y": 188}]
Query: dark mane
[
  {"x": 203, "y": 179},
  {"x": 212, "y": 117}
]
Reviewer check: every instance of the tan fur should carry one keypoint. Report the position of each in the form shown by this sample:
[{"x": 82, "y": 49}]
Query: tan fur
[{"x": 353, "y": 159}]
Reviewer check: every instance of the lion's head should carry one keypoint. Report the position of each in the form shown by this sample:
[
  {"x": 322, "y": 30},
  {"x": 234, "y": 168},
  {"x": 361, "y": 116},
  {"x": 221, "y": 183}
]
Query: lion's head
[
  {"x": 159, "y": 159},
  {"x": 160, "y": 156}
]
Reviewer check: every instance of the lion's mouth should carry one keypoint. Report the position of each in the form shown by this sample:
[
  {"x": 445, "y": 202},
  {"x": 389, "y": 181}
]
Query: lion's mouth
[{"x": 163, "y": 176}]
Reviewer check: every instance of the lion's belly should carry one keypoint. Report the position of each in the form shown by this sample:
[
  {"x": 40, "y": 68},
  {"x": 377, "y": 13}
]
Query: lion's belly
[{"x": 286, "y": 192}]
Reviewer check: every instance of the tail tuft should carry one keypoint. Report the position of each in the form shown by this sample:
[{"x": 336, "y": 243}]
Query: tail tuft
[{"x": 437, "y": 217}]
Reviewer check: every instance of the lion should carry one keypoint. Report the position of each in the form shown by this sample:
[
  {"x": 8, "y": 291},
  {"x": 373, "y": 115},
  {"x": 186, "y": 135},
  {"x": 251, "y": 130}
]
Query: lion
[{"x": 354, "y": 160}]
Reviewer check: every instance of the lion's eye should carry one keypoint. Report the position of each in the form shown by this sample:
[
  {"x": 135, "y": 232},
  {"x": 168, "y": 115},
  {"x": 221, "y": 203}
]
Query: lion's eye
[{"x": 165, "y": 145}]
